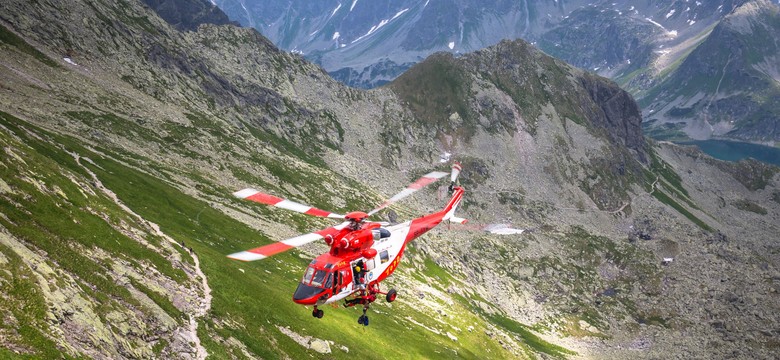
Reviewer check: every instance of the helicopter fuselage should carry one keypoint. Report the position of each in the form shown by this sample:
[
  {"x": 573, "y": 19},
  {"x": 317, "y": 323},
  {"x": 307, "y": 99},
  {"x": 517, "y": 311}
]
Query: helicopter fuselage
[{"x": 331, "y": 276}]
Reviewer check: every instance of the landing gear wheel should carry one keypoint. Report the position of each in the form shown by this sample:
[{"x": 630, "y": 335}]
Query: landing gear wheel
[
  {"x": 391, "y": 295},
  {"x": 363, "y": 320},
  {"x": 318, "y": 313}
]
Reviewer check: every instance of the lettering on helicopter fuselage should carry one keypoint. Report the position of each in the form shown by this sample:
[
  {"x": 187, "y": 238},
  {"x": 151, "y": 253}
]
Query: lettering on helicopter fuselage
[
  {"x": 421, "y": 231},
  {"x": 393, "y": 265}
]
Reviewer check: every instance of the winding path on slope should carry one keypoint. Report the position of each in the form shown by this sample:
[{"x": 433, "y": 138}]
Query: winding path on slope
[{"x": 205, "y": 302}]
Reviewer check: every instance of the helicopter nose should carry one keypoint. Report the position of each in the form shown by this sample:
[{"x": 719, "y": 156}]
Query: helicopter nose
[{"x": 307, "y": 295}]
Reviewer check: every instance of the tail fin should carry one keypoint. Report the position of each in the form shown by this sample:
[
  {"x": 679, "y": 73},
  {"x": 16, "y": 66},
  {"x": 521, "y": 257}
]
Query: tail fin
[{"x": 457, "y": 196}]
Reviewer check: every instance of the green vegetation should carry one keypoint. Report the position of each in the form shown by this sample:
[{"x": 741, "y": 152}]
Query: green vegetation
[
  {"x": 9, "y": 38},
  {"x": 159, "y": 299},
  {"x": 662, "y": 197},
  {"x": 250, "y": 299},
  {"x": 665, "y": 132},
  {"x": 753, "y": 174},
  {"x": 529, "y": 339},
  {"x": 24, "y": 309},
  {"x": 435, "y": 89},
  {"x": 666, "y": 172},
  {"x": 747, "y": 205}
]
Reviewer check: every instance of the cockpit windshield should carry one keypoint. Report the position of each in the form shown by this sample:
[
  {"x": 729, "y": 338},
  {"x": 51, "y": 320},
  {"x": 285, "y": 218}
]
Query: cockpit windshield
[{"x": 316, "y": 277}]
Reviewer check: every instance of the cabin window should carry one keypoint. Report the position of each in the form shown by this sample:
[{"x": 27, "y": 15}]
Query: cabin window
[{"x": 384, "y": 256}]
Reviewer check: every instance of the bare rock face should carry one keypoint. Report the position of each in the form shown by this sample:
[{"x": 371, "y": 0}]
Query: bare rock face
[{"x": 619, "y": 116}]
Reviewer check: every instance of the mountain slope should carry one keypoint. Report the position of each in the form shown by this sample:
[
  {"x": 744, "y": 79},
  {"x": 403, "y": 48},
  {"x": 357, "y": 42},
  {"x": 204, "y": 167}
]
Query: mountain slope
[
  {"x": 604, "y": 209},
  {"x": 729, "y": 85},
  {"x": 122, "y": 158}
]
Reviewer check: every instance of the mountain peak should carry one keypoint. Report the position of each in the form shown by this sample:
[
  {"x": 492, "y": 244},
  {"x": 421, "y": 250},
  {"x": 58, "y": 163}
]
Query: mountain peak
[{"x": 743, "y": 17}]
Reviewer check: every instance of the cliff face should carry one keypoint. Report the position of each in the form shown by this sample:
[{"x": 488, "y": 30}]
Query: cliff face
[
  {"x": 619, "y": 116},
  {"x": 116, "y": 210}
]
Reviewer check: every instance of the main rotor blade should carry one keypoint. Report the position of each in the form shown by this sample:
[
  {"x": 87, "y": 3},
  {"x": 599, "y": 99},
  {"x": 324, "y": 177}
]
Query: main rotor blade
[
  {"x": 496, "y": 229},
  {"x": 284, "y": 245},
  {"x": 256, "y": 196},
  {"x": 502, "y": 229},
  {"x": 411, "y": 189}
]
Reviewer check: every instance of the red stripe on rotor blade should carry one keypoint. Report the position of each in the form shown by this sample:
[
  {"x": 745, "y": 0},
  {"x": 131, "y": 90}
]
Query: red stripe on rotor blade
[
  {"x": 422, "y": 182},
  {"x": 317, "y": 212},
  {"x": 265, "y": 199},
  {"x": 271, "y": 249}
]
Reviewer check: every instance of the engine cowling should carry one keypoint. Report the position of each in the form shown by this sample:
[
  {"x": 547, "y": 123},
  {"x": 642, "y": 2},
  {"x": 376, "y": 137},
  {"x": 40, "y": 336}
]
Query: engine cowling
[{"x": 356, "y": 240}]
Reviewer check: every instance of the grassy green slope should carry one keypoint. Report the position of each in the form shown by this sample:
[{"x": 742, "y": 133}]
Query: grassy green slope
[{"x": 251, "y": 300}]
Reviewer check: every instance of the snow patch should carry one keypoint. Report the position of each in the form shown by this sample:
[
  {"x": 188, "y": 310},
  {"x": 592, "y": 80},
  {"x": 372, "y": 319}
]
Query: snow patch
[
  {"x": 671, "y": 12},
  {"x": 336, "y": 36},
  {"x": 70, "y": 61},
  {"x": 354, "y": 2},
  {"x": 451, "y": 45},
  {"x": 672, "y": 33},
  {"x": 382, "y": 23},
  {"x": 399, "y": 13},
  {"x": 335, "y": 10}
]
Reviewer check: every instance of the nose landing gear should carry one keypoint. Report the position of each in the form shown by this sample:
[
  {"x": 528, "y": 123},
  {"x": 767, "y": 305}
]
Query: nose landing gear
[{"x": 318, "y": 313}]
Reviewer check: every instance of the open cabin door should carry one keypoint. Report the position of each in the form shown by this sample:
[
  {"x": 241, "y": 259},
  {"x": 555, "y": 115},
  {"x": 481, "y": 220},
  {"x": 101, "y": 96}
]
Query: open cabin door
[{"x": 343, "y": 277}]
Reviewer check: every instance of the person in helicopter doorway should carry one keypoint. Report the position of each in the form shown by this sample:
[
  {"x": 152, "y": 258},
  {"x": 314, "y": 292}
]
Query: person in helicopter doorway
[{"x": 360, "y": 274}]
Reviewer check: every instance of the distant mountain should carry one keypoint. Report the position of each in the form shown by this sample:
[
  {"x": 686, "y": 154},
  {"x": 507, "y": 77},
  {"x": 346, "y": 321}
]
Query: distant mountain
[
  {"x": 356, "y": 39},
  {"x": 729, "y": 85}
]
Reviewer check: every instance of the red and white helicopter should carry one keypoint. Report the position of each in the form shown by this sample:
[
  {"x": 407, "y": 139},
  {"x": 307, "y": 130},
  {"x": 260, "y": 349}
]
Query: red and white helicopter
[{"x": 362, "y": 253}]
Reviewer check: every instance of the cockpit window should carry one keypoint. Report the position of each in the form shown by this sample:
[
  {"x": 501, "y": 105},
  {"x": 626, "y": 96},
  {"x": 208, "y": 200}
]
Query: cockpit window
[
  {"x": 319, "y": 278},
  {"x": 308, "y": 275}
]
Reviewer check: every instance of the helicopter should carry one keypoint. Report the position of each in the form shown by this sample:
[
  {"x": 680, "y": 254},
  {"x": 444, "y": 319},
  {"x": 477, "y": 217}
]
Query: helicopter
[{"x": 362, "y": 253}]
